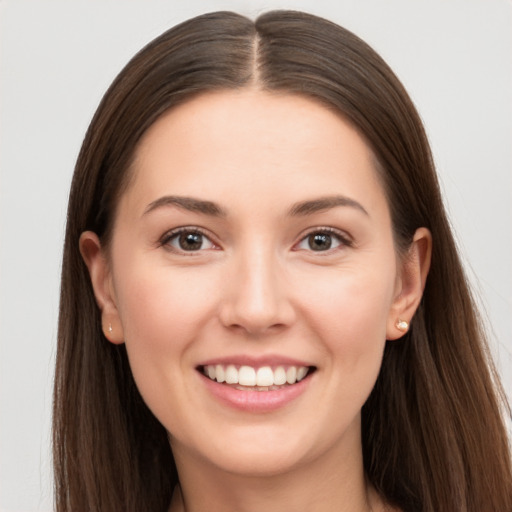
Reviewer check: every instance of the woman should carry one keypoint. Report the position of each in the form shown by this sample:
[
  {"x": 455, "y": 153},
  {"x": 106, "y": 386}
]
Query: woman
[{"x": 262, "y": 304}]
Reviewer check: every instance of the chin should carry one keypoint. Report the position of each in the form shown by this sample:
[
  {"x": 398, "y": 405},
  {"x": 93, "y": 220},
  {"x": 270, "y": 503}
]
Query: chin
[
  {"x": 260, "y": 464},
  {"x": 264, "y": 451}
]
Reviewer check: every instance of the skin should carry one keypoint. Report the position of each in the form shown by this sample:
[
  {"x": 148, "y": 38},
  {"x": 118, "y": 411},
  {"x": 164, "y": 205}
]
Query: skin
[{"x": 256, "y": 288}]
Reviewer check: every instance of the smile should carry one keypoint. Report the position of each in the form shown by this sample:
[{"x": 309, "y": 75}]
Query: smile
[
  {"x": 265, "y": 378},
  {"x": 256, "y": 386}
]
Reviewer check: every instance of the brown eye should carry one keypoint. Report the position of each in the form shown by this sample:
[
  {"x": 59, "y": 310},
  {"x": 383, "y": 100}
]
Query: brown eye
[
  {"x": 323, "y": 240},
  {"x": 189, "y": 241},
  {"x": 319, "y": 241}
]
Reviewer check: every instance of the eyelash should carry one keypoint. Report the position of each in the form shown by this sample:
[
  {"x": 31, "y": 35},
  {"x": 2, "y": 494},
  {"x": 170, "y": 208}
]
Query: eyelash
[
  {"x": 342, "y": 238},
  {"x": 175, "y": 233}
]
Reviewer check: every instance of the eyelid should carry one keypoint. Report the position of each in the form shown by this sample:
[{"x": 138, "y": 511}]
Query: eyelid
[
  {"x": 344, "y": 238},
  {"x": 168, "y": 235}
]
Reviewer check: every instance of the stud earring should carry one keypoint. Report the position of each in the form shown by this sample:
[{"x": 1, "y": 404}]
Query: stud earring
[
  {"x": 402, "y": 325},
  {"x": 110, "y": 328}
]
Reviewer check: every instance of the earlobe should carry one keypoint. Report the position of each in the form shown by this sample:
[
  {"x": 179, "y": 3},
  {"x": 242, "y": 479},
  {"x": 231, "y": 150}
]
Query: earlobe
[
  {"x": 99, "y": 272},
  {"x": 412, "y": 277}
]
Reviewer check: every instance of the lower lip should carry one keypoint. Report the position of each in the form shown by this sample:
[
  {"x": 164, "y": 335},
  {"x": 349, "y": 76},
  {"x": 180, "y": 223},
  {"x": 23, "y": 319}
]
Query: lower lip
[{"x": 256, "y": 401}]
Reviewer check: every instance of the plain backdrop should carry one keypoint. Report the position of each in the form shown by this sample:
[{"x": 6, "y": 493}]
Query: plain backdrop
[{"x": 58, "y": 57}]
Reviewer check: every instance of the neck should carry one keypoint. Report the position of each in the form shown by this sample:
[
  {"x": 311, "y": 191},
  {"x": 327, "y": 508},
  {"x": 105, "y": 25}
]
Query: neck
[{"x": 333, "y": 482}]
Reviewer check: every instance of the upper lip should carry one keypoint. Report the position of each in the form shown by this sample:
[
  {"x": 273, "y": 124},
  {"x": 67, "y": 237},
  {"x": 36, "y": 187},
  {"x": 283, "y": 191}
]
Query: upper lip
[{"x": 255, "y": 361}]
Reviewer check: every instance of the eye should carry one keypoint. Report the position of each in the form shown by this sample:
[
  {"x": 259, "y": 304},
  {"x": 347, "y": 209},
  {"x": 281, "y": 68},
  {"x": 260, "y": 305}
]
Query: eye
[
  {"x": 187, "y": 240},
  {"x": 323, "y": 240}
]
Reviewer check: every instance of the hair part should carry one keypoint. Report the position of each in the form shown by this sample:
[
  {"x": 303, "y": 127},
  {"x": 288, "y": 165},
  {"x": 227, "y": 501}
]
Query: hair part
[{"x": 434, "y": 415}]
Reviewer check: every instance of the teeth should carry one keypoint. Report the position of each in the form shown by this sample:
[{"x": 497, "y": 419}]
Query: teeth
[
  {"x": 246, "y": 376},
  {"x": 301, "y": 373},
  {"x": 263, "y": 377},
  {"x": 220, "y": 374},
  {"x": 231, "y": 375},
  {"x": 279, "y": 376},
  {"x": 291, "y": 375}
]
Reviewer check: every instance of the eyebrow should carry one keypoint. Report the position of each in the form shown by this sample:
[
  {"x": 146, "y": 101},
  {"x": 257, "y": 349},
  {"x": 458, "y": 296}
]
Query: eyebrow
[
  {"x": 212, "y": 209},
  {"x": 325, "y": 203},
  {"x": 187, "y": 203}
]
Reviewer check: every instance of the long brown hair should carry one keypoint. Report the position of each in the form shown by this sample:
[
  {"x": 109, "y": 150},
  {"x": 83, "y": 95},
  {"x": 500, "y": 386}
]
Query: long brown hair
[{"x": 432, "y": 428}]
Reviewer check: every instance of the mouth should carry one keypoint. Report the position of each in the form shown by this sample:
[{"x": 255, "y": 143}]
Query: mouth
[{"x": 263, "y": 378}]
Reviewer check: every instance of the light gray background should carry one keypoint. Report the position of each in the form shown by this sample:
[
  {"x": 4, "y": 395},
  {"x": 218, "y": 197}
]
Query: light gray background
[{"x": 56, "y": 60}]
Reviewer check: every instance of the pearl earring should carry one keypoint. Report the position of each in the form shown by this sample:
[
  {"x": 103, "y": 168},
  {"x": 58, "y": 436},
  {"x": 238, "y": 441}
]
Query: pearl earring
[
  {"x": 402, "y": 325},
  {"x": 110, "y": 328}
]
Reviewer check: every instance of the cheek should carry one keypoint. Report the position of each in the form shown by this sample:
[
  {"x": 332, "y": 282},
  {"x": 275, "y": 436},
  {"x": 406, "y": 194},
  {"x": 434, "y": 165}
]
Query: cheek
[
  {"x": 161, "y": 305},
  {"x": 163, "y": 312},
  {"x": 349, "y": 311},
  {"x": 352, "y": 319}
]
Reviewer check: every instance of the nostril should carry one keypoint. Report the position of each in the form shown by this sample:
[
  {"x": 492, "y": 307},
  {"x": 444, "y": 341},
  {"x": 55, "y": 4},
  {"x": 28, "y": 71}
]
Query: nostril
[{"x": 256, "y": 305}]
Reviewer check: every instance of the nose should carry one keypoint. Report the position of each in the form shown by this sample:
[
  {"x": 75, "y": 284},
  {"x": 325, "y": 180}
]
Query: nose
[{"x": 256, "y": 296}]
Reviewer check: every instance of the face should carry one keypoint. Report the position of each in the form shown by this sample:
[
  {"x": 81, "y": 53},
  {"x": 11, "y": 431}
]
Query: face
[{"x": 253, "y": 277}]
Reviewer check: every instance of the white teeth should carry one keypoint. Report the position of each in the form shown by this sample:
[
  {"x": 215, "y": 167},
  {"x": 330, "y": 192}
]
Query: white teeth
[
  {"x": 220, "y": 374},
  {"x": 291, "y": 375},
  {"x": 231, "y": 375},
  {"x": 246, "y": 376},
  {"x": 279, "y": 376},
  {"x": 301, "y": 373},
  {"x": 263, "y": 377}
]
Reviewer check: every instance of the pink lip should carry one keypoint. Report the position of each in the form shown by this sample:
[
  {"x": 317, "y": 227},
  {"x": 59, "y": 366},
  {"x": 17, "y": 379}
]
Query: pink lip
[
  {"x": 255, "y": 401},
  {"x": 255, "y": 362}
]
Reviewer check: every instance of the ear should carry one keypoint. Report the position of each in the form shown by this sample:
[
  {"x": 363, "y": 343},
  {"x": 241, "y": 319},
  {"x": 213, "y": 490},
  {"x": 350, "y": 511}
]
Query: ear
[
  {"x": 412, "y": 276},
  {"x": 101, "y": 279}
]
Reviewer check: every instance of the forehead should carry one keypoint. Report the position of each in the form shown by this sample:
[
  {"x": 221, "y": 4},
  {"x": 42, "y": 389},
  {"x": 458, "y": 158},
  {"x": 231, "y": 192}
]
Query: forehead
[
  {"x": 256, "y": 118},
  {"x": 252, "y": 141}
]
